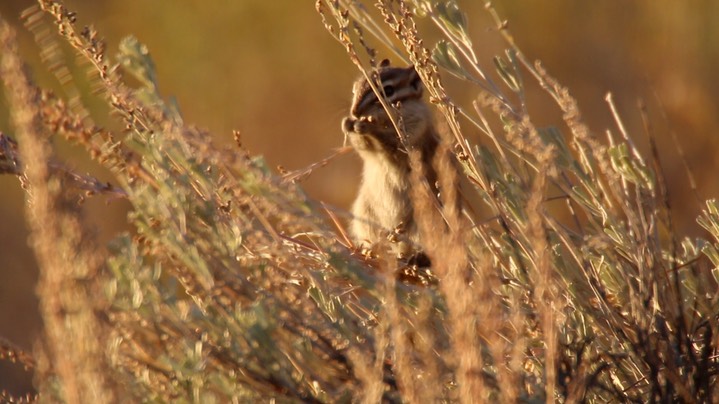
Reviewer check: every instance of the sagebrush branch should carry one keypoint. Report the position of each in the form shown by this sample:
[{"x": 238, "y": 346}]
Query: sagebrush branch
[{"x": 10, "y": 164}]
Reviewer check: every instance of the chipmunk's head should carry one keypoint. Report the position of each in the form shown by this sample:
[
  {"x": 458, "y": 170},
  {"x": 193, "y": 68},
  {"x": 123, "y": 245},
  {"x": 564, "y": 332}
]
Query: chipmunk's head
[{"x": 370, "y": 128}]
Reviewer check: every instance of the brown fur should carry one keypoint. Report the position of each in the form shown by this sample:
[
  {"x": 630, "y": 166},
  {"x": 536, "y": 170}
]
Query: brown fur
[{"x": 383, "y": 203}]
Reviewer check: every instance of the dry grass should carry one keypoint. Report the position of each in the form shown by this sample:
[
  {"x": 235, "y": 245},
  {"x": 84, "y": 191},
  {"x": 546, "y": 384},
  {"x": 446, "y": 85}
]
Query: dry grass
[{"x": 566, "y": 282}]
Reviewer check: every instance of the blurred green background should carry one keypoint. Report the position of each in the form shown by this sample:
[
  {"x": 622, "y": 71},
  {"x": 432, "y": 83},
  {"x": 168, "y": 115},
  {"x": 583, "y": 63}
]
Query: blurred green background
[{"x": 269, "y": 69}]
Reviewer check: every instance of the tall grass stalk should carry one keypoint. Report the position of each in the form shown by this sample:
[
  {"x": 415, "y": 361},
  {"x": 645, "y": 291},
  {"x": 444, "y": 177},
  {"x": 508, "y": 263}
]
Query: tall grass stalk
[{"x": 562, "y": 279}]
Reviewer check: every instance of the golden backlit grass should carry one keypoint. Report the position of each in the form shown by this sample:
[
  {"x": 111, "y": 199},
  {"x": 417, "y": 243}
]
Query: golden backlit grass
[{"x": 561, "y": 280}]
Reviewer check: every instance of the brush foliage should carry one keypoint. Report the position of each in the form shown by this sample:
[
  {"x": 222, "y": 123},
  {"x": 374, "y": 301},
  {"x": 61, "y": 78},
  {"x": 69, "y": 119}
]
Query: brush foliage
[{"x": 563, "y": 279}]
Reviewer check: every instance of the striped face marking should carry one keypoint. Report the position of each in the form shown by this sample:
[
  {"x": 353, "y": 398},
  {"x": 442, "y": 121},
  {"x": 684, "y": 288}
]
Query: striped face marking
[{"x": 398, "y": 84}]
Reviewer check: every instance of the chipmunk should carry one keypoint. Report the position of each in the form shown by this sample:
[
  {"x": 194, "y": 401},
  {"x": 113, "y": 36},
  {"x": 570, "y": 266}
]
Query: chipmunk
[{"x": 383, "y": 208}]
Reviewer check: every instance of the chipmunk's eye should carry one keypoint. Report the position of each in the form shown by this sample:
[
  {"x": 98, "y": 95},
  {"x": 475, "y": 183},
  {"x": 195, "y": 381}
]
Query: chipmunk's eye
[{"x": 388, "y": 91}]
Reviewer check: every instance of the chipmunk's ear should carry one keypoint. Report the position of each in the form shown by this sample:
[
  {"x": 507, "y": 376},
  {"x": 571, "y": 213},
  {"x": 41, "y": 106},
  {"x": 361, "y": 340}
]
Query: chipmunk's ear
[
  {"x": 384, "y": 63},
  {"x": 414, "y": 80}
]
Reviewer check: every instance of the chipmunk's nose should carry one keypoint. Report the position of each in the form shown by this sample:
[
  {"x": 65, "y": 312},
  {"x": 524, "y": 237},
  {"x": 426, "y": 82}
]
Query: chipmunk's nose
[
  {"x": 361, "y": 125},
  {"x": 348, "y": 124}
]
